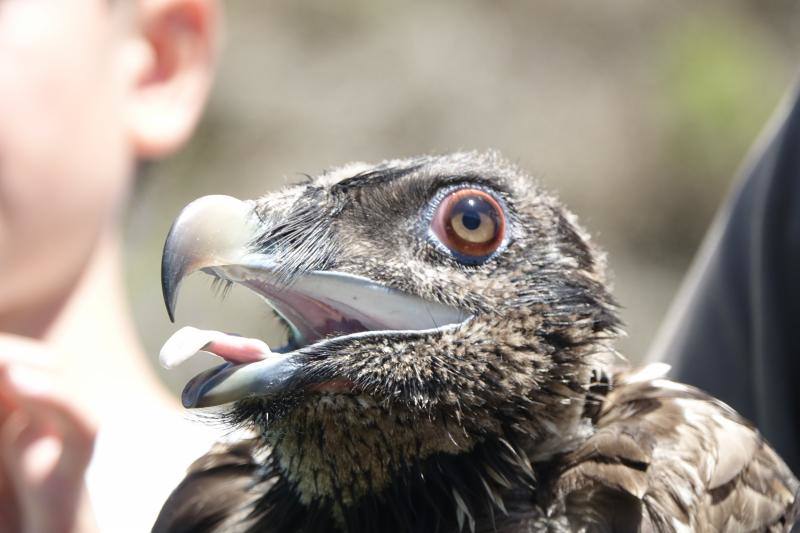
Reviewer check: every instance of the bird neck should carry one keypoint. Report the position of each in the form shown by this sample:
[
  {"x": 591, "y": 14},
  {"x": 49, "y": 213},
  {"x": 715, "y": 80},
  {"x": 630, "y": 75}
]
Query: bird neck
[
  {"x": 443, "y": 492},
  {"x": 329, "y": 481},
  {"x": 357, "y": 466}
]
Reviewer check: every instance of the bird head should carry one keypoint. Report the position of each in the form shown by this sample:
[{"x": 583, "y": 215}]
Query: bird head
[{"x": 433, "y": 305}]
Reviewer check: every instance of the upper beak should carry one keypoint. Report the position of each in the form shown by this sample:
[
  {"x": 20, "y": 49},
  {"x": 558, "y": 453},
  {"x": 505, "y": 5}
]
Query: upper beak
[
  {"x": 215, "y": 234},
  {"x": 211, "y": 231}
]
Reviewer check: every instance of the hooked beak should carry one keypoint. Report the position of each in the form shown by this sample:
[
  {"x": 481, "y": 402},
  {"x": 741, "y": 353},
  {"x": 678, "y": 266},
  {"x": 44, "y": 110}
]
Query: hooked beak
[
  {"x": 216, "y": 234},
  {"x": 212, "y": 231}
]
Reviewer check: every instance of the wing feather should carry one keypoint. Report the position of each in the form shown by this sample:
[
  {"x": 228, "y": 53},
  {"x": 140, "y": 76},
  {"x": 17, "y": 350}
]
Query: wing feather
[
  {"x": 688, "y": 460},
  {"x": 214, "y": 495}
]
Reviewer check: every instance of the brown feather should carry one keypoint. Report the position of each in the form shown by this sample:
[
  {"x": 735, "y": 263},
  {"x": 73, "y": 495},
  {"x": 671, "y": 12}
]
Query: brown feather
[
  {"x": 692, "y": 462},
  {"x": 510, "y": 421}
]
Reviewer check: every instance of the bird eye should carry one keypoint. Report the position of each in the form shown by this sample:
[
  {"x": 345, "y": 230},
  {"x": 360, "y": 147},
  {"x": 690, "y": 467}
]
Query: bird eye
[{"x": 470, "y": 223}]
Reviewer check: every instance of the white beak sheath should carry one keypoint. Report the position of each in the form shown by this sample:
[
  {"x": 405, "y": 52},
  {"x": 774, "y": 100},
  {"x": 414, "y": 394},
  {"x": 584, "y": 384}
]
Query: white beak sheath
[{"x": 211, "y": 231}]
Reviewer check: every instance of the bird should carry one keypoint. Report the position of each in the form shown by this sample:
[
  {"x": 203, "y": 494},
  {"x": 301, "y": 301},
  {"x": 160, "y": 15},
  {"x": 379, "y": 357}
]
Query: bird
[{"x": 450, "y": 367}]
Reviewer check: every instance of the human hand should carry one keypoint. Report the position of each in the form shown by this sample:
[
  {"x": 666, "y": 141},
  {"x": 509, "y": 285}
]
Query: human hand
[{"x": 46, "y": 443}]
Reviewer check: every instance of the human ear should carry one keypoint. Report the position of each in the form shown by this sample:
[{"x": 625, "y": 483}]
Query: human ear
[{"x": 170, "y": 81}]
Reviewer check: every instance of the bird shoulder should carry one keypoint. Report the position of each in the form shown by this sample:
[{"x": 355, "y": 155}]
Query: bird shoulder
[{"x": 668, "y": 457}]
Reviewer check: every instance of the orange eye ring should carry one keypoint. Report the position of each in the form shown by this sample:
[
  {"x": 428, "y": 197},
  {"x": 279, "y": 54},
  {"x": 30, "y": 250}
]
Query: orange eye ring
[{"x": 470, "y": 223}]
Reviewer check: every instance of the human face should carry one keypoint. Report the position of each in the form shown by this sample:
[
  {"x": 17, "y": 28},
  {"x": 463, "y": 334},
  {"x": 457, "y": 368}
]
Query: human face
[{"x": 64, "y": 159}]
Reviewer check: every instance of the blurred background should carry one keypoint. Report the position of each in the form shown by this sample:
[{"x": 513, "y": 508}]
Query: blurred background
[{"x": 636, "y": 113}]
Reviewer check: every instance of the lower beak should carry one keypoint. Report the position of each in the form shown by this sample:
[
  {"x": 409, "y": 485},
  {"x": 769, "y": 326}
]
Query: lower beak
[{"x": 229, "y": 383}]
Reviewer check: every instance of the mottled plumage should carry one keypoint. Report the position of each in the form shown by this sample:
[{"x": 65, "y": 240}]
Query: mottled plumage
[{"x": 514, "y": 419}]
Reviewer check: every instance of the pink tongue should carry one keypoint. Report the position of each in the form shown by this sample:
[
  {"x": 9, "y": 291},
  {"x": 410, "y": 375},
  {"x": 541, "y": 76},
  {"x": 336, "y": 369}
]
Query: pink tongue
[
  {"x": 187, "y": 341},
  {"x": 237, "y": 349}
]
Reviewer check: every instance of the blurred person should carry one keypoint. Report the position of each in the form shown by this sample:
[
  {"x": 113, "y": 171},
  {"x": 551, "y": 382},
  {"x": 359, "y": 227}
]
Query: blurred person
[
  {"x": 87, "y": 88},
  {"x": 734, "y": 329}
]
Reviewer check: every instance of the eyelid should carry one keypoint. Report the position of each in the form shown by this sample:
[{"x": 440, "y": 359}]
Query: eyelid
[{"x": 442, "y": 192}]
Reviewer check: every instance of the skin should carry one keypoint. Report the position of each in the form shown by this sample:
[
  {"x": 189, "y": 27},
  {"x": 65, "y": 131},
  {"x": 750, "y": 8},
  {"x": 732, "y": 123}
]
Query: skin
[{"x": 87, "y": 87}]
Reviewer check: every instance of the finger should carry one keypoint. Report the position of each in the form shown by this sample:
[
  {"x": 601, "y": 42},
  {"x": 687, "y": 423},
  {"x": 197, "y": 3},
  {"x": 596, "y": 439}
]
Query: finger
[
  {"x": 66, "y": 423},
  {"x": 58, "y": 415},
  {"x": 46, "y": 504},
  {"x": 46, "y": 444},
  {"x": 17, "y": 381},
  {"x": 9, "y": 506},
  {"x": 8, "y": 395},
  {"x": 23, "y": 353},
  {"x": 28, "y": 449},
  {"x": 22, "y": 350}
]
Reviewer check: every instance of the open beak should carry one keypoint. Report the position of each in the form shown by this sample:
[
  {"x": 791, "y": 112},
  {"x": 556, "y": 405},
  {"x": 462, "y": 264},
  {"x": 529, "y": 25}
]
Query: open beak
[{"x": 216, "y": 234}]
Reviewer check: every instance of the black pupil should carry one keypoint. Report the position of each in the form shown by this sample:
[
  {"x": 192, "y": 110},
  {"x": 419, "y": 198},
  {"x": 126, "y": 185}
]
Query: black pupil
[
  {"x": 471, "y": 209},
  {"x": 471, "y": 220}
]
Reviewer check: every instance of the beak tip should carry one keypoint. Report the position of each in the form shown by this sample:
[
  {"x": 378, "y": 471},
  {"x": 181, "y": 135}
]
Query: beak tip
[
  {"x": 194, "y": 390},
  {"x": 169, "y": 289},
  {"x": 173, "y": 270},
  {"x": 188, "y": 401}
]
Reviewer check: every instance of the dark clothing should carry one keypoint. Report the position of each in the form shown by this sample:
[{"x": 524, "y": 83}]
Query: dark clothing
[{"x": 735, "y": 329}]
